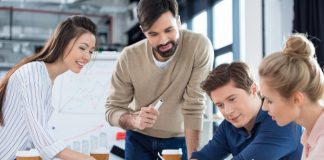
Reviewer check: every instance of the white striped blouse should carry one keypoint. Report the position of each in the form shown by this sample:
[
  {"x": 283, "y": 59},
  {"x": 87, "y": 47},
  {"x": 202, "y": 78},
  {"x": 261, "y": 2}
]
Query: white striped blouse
[{"x": 27, "y": 109}]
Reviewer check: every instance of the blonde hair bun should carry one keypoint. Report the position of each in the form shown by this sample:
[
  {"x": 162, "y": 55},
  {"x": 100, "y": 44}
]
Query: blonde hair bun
[{"x": 298, "y": 46}]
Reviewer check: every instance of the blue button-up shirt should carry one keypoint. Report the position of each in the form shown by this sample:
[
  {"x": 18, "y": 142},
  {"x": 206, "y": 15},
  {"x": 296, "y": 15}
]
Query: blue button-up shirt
[{"x": 267, "y": 141}]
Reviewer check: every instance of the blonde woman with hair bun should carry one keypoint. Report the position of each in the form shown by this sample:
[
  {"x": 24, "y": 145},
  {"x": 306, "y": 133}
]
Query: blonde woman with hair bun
[{"x": 292, "y": 84}]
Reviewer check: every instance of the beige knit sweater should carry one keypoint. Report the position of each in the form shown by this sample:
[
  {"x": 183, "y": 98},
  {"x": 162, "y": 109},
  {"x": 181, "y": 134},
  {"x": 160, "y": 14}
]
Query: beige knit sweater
[{"x": 137, "y": 82}]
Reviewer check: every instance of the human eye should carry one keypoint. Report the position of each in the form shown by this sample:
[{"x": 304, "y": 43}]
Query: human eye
[
  {"x": 267, "y": 101},
  {"x": 93, "y": 52},
  {"x": 169, "y": 30},
  {"x": 153, "y": 34},
  {"x": 82, "y": 48},
  {"x": 219, "y": 105},
  {"x": 232, "y": 99}
]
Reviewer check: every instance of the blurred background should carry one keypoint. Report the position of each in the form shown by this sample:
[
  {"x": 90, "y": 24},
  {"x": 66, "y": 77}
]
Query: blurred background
[
  {"x": 244, "y": 30},
  {"x": 239, "y": 29}
]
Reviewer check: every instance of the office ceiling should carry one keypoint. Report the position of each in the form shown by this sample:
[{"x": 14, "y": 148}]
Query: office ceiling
[{"x": 87, "y": 6}]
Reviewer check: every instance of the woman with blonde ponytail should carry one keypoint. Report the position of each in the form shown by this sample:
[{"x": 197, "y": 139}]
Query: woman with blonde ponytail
[{"x": 292, "y": 84}]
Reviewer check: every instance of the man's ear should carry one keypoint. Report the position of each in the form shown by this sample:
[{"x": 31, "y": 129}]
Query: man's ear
[
  {"x": 254, "y": 89},
  {"x": 178, "y": 21},
  {"x": 141, "y": 28}
]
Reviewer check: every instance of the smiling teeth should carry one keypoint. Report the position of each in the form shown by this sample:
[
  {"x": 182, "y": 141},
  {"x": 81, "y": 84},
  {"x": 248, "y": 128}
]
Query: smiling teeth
[{"x": 80, "y": 63}]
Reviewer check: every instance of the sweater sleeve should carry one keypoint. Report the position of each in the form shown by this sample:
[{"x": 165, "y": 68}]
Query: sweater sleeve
[
  {"x": 194, "y": 97},
  {"x": 34, "y": 108},
  {"x": 121, "y": 91}
]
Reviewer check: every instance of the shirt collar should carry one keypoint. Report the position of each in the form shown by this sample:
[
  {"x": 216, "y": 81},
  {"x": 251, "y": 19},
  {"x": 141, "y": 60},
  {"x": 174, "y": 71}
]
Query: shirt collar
[{"x": 317, "y": 130}]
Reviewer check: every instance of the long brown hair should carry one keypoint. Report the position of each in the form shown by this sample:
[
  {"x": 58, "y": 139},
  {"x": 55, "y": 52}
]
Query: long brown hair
[{"x": 72, "y": 27}]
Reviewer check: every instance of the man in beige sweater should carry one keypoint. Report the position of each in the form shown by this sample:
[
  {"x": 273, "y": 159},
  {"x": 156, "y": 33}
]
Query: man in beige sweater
[{"x": 168, "y": 65}]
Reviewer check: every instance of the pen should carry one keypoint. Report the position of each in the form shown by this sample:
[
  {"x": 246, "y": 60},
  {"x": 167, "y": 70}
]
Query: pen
[{"x": 158, "y": 104}]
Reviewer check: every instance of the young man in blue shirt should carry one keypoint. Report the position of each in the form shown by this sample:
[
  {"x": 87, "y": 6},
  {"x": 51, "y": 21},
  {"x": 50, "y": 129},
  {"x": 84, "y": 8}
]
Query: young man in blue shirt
[{"x": 247, "y": 132}]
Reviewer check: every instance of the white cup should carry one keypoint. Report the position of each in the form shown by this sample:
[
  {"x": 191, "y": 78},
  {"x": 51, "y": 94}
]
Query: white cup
[
  {"x": 172, "y": 154},
  {"x": 100, "y": 153}
]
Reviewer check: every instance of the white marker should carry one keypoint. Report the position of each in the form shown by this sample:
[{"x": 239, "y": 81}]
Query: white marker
[{"x": 158, "y": 104}]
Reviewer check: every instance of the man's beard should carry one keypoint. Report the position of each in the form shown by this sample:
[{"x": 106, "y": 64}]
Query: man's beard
[{"x": 169, "y": 52}]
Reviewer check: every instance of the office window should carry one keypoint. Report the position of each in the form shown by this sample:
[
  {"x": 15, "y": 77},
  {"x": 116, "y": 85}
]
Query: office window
[
  {"x": 224, "y": 58},
  {"x": 4, "y": 24},
  {"x": 184, "y": 26},
  {"x": 223, "y": 24},
  {"x": 199, "y": 23}
]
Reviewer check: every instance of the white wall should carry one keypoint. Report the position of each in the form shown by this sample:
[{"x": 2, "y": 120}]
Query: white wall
[
  {"x": 251, "y": 33},
  {"x": 278, "y": 23}
]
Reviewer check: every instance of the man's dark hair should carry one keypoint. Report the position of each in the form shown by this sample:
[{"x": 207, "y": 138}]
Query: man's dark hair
[
  {"x": 148, "y": 11},
  {"x": 238, "y": 72}
]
